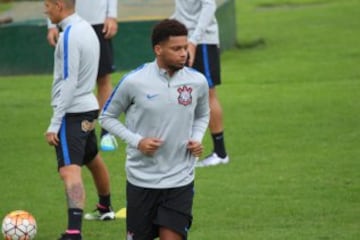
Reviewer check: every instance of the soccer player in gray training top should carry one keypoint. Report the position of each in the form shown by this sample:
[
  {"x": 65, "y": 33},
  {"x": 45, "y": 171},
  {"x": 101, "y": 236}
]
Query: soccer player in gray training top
[
  {"x": 102, "y": 15},
  {"x": 167, "y": 113},
  {"x": 75, "y": 109},
  {"x": 204, "y": 55}
]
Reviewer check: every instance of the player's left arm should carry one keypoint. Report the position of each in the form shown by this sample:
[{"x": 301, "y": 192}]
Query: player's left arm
[
  {"x": 202, "y": 112},
  {"x": 195, "y": 147}
]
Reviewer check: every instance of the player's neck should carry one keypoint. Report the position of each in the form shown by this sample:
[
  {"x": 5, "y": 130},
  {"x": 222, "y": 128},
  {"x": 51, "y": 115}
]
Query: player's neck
[{"x": 170, "y": 71}]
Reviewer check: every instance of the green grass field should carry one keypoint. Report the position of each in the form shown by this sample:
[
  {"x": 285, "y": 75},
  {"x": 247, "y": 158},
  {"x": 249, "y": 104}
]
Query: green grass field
[{"x": 291, "y": 101}]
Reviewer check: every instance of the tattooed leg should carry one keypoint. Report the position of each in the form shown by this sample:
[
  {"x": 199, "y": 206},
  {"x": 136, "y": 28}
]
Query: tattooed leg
[
  {"x": 75, "y": 195},
  {"x": 74, "y": 188}
]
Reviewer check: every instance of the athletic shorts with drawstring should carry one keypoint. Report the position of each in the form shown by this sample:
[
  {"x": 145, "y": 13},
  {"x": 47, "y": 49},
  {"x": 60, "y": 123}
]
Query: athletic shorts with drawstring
[
  {"x": 207, "y": 61},
  {"x": 106, "y": 62},
  {"x": 78, "y": 143},
  {"x": 149, "y": 209}
]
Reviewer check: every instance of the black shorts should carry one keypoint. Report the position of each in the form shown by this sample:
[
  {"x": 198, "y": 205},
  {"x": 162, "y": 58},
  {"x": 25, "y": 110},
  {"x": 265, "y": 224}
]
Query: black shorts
[
  {"x": 207, "y": 61},
  {"x": 78, "y": 143},
  {"x": 149, "y": 209},
  {"x": 106, "y": 62}
]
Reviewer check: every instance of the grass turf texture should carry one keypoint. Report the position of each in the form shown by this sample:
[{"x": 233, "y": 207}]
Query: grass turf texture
[{"x": 290, "y": 95}]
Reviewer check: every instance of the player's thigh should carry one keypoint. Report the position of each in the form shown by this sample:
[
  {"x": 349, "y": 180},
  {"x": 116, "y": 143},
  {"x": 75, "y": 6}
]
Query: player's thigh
[
  {"x": 140, "y": 212},
  {"x": 71, "y": 149},
  {"x": 75, "y": 134},
  {"x": 91, "y": 147},
  {"x": 175, "y": 210}
]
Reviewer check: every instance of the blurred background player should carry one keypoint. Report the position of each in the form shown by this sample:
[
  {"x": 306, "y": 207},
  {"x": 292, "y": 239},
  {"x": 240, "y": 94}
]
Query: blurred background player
[
  {"x": 102, "y": 15},
  {"x": 75, "y": 109},
  {"x": 204, "y": 56}
]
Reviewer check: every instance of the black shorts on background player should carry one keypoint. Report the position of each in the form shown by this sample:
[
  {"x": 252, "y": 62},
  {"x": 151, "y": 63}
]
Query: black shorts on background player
[
  {"x": 106, "y": 63},
  {"x": 207, "y": 61}
]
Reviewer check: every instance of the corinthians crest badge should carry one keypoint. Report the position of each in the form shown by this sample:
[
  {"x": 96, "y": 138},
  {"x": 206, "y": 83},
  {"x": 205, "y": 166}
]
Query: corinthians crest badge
[{"x": 185, "y": 97}]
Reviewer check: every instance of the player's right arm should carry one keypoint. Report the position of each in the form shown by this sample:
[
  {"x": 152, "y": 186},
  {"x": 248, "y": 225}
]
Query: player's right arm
[
  {"x": 53, "y": 34},
  {"x": 119, "y": 102},
  {"x": 110, "y": 24}
]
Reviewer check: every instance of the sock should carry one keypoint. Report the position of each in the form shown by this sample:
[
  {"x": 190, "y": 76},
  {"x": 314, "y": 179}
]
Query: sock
[
  {"x": 103, "y": 132},
  {"x": 219, "y": 145},
  {"x": 104, "y": 202},
  {"x": 69, "y": 231},
  {"x": 74, "y": 220}
]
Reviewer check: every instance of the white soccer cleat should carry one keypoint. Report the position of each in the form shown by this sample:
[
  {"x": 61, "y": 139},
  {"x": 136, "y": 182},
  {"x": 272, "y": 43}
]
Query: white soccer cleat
[
  {"x": 108, "y": 143},
  {"x": 101, "y": 216},
  {"x": 212, "y": 160}
]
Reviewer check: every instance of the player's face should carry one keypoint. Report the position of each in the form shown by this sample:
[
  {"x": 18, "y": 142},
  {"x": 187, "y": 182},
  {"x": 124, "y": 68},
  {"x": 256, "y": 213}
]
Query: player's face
[
  {"x": 52, "y": 10},
  {"x": 172, "y": 53}
]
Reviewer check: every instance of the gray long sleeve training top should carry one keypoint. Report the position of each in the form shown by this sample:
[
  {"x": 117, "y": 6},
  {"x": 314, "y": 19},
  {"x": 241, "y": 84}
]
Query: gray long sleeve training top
[
  {"x": 174, "y": 109},
  {"x": 76, "y": 60},
  {"x": 95, "y": 12},
  {"x": 199, "y": 18}
]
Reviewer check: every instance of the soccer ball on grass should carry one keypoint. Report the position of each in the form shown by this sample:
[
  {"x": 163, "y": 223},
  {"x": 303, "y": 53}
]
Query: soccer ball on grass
[{"x": 19, "y": 225}]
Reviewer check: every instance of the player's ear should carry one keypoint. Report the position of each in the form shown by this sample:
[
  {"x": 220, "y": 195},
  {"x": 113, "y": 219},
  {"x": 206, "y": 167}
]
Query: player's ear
[
  {"x": 157, "y": 49},
  {"x": 59, "y": 4}
]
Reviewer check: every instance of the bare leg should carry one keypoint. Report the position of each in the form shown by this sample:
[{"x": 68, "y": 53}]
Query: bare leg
[
  {"x": 217, "y": 133},
  {"x": 74, "y": 188},
  {"x": 104, "y": 89},
  {"x": 100, "y": 175},
  {"x": 216, "y": 121},
  {"x": 75, "y": 194},
  {"x": 101, "y": 179},
  {"x": 168, "y": 234}
]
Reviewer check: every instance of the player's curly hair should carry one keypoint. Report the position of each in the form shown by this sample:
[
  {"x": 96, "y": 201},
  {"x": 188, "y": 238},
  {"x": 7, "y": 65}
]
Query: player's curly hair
[{"x": 167, "y": 28}]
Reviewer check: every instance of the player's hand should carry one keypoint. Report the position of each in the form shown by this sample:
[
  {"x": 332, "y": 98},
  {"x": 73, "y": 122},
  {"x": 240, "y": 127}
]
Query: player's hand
[
  {"x": 52, "y": 138},
  {"x": 110, "y": 27},
  {"x": 195, "y": 147},
  {"x": 191, "y": 54},
  {"x": 148, "y": 146},
  {"x": 53, "y": 36}
]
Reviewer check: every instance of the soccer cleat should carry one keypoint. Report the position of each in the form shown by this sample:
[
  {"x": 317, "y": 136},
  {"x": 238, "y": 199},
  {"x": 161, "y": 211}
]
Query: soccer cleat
[
  {"x": 121, "y": 214},
  {"x": 212, "y": 160},
  {"x": 98, "y": 214},
  {"x": 108, "y": 143},
  {"x": 66, "y": 236}
]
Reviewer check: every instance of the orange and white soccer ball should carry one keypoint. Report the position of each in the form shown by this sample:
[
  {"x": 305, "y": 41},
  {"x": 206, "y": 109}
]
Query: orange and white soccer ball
[{"x": 19, "y": 225}]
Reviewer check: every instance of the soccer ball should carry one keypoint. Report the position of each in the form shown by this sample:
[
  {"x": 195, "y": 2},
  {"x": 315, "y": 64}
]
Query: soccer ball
[{"x": 19, "y": 225}]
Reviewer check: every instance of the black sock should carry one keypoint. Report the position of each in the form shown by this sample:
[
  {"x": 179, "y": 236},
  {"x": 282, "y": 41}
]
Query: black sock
[
  {"x": 75, "y": 219},
  {"x": 104, "y": 202},
  {"x": 219, "y": 145},
  {"x": 103, "y": 132}
]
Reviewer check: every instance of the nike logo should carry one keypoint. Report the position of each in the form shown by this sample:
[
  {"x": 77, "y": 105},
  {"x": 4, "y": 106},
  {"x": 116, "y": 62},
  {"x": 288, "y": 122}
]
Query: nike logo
[{"x": 151, "y": 96}]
